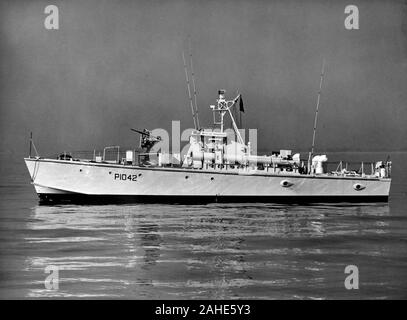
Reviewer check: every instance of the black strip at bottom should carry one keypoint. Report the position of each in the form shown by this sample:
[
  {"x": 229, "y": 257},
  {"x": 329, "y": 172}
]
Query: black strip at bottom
[{"x": 121, "y": 199}]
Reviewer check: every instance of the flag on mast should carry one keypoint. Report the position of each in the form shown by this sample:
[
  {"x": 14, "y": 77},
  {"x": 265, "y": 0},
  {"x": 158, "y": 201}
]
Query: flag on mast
[{"x": 241, "y": 107}]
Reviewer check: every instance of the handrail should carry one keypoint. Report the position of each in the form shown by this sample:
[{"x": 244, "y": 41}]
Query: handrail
[
  {"x": 112, "y": 147},
  {"x": 338, "y": 168}
]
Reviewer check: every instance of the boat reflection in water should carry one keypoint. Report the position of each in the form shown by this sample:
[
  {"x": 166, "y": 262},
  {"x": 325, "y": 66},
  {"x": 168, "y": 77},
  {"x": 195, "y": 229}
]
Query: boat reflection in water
[{"x": 157, "y": 251}]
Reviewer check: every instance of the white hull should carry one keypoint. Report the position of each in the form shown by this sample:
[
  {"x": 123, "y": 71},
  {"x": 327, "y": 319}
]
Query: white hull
[{"x": 59, "y": 177}]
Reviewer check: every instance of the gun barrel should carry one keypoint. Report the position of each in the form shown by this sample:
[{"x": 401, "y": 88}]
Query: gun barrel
[
  {"x": 146, "y": 133},
  {"x": 141, "y": 132}
]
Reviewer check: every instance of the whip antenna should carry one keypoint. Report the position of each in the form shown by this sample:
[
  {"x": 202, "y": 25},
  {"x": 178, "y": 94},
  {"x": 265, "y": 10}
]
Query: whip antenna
[
  {"x": 316, "y": 115},
  {"x": 193, "y": 84},
  {"x": 189, "y": 91}
]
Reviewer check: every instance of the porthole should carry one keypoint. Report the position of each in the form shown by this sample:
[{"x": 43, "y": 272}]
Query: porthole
[
  {"x": 286, "y": 183},
  {"x": 358, "y": 186}
]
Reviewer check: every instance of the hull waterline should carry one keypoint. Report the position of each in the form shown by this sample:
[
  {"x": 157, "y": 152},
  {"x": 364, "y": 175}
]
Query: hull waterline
[{"x": 58, "y": 181}]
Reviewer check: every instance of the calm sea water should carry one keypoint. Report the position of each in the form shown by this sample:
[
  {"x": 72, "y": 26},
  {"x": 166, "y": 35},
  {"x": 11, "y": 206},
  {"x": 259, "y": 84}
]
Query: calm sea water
[{"x": 219, "y": 251}]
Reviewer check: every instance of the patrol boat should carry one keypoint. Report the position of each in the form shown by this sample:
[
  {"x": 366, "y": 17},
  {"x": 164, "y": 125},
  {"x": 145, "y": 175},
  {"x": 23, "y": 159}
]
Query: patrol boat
[{"x": 216, "y": 168}]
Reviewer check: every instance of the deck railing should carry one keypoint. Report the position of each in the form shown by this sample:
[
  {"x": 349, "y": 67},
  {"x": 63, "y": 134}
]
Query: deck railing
[{"x": 116, "y": 155}]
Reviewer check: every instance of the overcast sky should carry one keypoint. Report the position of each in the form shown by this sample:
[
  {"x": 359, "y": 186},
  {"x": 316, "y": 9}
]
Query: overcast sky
[{"x": 113, "y": 65}]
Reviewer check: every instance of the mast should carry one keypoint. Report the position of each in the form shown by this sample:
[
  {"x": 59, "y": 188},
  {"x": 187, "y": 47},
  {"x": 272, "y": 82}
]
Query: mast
[
  {"x": 316, "y": 116},
  {"x": 224, "y": 107},
  {"x": 193, "y": 84},
  {"x": 237, "y": 115},
  {"x": 31, "y": 141},
  {"x": 189, "y": 91}
]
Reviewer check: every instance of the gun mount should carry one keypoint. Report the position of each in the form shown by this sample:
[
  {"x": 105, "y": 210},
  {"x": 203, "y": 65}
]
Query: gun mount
[{"x": 147, "y": 140}]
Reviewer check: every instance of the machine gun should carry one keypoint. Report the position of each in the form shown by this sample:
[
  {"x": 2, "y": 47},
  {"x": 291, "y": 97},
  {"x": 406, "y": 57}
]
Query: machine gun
[{"x": 147, "y": 140}]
